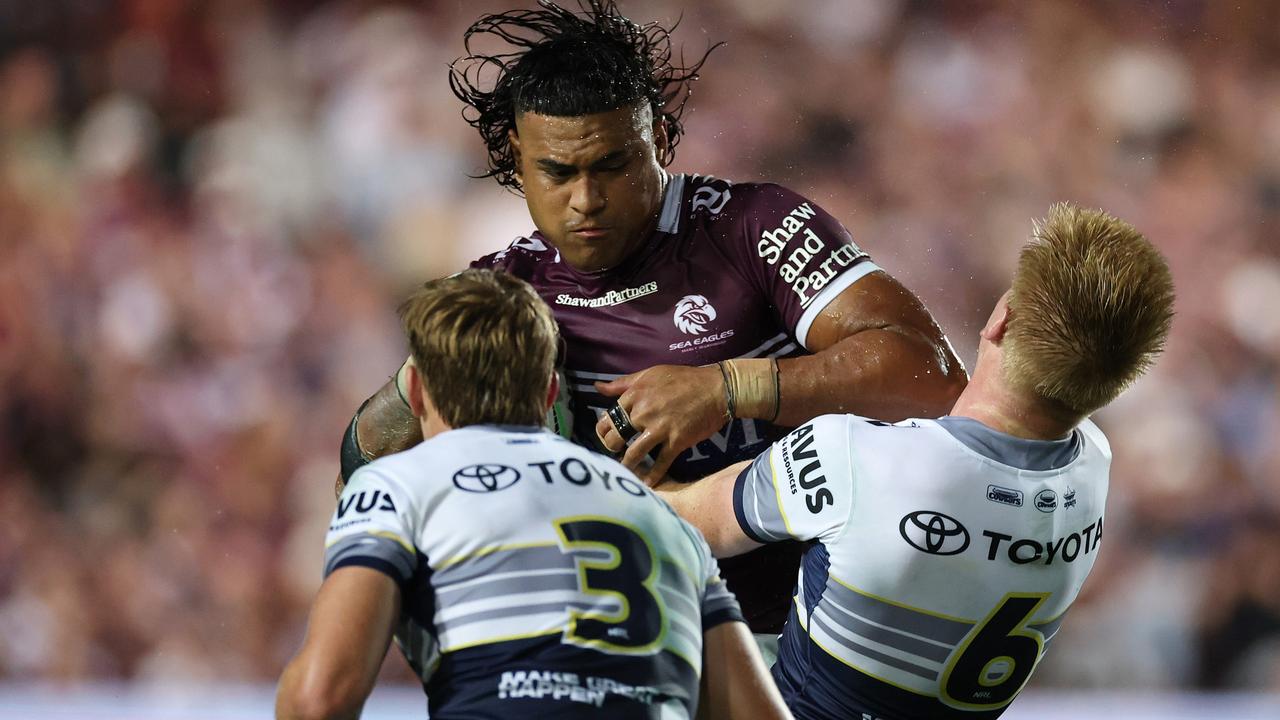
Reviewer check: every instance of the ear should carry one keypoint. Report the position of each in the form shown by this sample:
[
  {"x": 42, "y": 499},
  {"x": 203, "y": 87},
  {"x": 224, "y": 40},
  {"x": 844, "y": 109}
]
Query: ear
[
  {"x": 998, "y": 323},
  {"x": 661, "y": 141},
  {"x": 513, "y": 138},
  {"x": 553, "y": 389},
  {"x": 417, "y": 390}
]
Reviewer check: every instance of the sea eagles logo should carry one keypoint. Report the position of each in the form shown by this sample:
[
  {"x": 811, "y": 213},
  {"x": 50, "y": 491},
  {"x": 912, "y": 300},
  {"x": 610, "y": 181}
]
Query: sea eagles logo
[{"x": 693, "y": 314}]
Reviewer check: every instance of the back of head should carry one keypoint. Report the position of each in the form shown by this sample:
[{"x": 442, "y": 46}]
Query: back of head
[
  {"x": 485, "y": 344},
  {"x": 567, "y": 64},
  {"x": 1090, "y": 309}
]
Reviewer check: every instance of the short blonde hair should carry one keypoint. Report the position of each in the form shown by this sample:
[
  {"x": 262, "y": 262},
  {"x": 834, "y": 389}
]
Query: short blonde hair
[
  {"x": 1090, "y": 309},
  {"x": 485, "y": 344}
]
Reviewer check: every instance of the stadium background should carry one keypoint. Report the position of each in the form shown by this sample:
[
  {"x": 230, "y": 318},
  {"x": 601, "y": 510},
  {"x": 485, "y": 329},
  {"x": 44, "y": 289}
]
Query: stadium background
[{"x": 208, "y": 210}]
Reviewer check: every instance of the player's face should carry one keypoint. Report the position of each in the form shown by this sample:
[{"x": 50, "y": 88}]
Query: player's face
[{"x": 593, "y": 182}]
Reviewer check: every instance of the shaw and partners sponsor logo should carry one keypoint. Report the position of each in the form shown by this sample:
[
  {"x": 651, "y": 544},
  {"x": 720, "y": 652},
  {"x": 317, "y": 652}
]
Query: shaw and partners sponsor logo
[
  {"x": 1022, "y": 551},
  {"x": 934, "y": 533},
  {"x": 806, "y": 285},
  {"x": 613, "y": 297},
  {"x": 486, "y": 478},
  {"x": 1004, "y": 495},
  {"x": 799, "y": 449}
]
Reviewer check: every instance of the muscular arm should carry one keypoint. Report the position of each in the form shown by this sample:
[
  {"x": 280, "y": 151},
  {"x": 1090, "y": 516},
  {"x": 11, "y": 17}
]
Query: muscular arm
[
  {"x": 735, "y": 682},
  {"x": 878, "y": 353},
  {"x": 386, "y": 426},
  {"x": 708, "y": 506},
  {"x": 347, "y": 638}
]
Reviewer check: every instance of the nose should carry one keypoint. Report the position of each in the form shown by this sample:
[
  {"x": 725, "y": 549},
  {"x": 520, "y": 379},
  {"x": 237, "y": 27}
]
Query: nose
[{"x": 587, "y": 197}]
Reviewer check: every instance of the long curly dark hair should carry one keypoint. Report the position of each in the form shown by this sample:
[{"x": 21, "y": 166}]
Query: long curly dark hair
[{"x": 566, "y": 63}]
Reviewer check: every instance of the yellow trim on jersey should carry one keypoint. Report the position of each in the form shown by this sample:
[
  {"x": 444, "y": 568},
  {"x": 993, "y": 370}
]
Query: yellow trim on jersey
[
  {"x": 582, "y": 565},
  {"x": 904, "y": 606},
  {"x": 773, "y": 475},
  {"x": 377, "y": 533},
  {"x": 489, "y": 551},
  {"x": 868, "y": 673},
  {"x": 392, "y": 536},
  {"x": 501, "y": 638}
]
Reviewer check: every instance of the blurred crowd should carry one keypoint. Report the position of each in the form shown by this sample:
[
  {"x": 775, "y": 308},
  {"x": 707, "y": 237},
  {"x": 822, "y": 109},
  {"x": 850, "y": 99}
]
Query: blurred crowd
[{"x": 209, "y": 209}]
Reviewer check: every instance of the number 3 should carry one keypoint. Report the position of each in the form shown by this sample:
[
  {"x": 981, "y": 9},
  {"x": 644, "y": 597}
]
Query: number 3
[
  {"x": 993, "y": 664},
  {"x": 629, "y": 575}
]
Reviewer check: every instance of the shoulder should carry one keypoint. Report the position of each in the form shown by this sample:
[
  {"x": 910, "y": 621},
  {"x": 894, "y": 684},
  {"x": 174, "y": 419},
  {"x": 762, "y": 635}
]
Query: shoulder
[
  {"x": 1094, "y": 436},
  {"x": 716, "y": 197},
  {"x": 525, "y": 257}
]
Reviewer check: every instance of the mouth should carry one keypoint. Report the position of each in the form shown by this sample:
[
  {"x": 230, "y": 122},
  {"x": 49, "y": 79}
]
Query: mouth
[{"x": 591, "y": 233}]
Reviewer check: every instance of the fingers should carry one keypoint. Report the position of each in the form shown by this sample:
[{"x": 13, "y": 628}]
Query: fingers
[
  {"x": 608, "y": 435},
  {"x": 658, "y": 473},
  {"x": 615, "y": 388},
  {"x": 639, "y": 448}
]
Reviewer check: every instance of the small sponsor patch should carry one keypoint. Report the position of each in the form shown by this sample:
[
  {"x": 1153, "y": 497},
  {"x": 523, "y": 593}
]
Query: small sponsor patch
[{"x": 1004, "y": 495}]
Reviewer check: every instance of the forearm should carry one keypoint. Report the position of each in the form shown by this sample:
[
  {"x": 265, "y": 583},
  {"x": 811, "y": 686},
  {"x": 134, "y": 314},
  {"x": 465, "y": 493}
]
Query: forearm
[
  {"x": 888, "y": 373},
  {"x": 708, "y": 506},
  {"x": 385, "y": 425}
]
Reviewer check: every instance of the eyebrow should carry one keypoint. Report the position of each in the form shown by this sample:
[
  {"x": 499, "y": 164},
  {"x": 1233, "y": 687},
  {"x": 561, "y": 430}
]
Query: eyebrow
[{"x": 559, "y": 167}]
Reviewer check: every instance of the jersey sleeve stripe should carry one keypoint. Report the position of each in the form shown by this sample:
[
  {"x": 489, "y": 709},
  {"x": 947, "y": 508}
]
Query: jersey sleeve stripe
[
  {"x": 719, "y": 615},
  {"x": 391, "y": 556},
  {"x": 739, "y": 512},
  {"x": 863, "y": 268},
  {"x": 373, "y": 563}
]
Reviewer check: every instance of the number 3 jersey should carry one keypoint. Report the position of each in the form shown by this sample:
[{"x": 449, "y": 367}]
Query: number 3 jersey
[
  {"x": 945, "y": 557},
  {"x": 538, "y": 579}
]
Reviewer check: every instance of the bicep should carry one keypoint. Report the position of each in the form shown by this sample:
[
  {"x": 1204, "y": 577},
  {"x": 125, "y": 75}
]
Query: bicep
[
  {"x": 735, "y": 681},
  {"x": 877, "y": 301},
  {"x": 708, "y": 505},
  {"x": 348, "y": 634}
]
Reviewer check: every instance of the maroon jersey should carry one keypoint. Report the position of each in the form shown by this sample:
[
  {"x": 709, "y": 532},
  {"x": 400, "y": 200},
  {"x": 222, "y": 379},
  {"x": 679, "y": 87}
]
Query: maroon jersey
[{"x": 730, "y": 271}]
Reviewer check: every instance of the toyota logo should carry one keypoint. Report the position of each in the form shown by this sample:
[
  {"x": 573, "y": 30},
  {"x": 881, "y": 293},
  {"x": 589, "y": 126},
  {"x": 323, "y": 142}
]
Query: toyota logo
[
  {"x": 486, "y": 478},
  {"x": 934, "y": 533}
]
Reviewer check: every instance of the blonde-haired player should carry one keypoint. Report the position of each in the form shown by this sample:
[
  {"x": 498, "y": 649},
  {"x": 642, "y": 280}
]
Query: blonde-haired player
[
  {"x": 523, "y": 576},
  {"x": 947, "y": 551}
]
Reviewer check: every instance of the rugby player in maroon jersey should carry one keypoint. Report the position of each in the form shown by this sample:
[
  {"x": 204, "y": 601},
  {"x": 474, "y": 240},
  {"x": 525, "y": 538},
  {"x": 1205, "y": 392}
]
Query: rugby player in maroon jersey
[{"x": 701, "y": 318}]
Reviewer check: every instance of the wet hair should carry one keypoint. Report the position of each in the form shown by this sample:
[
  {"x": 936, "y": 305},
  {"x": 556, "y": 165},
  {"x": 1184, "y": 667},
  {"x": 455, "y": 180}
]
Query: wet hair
[{"x": 566, "y": 64}]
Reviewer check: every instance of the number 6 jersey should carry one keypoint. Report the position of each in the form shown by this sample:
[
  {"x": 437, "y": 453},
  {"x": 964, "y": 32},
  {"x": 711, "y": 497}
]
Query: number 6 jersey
[
  {"x": 946, "y": 555},
  {"x": 538, "y": 579}
]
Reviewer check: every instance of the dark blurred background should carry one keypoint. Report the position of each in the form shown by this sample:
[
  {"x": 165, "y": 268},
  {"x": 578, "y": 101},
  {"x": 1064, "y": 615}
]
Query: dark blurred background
[{"x": 209, "y": 209}]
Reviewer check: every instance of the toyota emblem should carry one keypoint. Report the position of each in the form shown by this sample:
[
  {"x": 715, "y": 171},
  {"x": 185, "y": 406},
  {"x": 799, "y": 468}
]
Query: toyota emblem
[
  {"x": 486, "y": 478},
  {"x": 934, "y": 533}
]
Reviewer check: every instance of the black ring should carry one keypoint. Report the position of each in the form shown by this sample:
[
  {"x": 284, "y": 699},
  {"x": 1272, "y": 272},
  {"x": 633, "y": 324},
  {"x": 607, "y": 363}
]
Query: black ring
[{"x": 622, "y": 423}]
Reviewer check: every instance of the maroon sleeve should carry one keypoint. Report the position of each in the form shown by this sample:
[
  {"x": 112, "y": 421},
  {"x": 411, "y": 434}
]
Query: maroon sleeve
[{"x": 798, "y": 254}]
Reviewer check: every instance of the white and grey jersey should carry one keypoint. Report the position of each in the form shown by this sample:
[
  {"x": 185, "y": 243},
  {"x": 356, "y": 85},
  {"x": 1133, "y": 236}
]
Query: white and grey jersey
[
  {"x": 945, "y": 557},
  {"x": 539, "y": 579}
]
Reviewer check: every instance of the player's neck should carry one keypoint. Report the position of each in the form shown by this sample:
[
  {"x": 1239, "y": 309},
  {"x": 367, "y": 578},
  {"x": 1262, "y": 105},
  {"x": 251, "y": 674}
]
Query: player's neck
[{"x": 991, "y": 402}]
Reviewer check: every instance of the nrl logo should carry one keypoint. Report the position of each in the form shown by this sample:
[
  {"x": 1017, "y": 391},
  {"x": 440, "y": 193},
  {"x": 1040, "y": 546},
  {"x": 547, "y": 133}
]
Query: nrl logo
[{"x": 693, "y": 314}]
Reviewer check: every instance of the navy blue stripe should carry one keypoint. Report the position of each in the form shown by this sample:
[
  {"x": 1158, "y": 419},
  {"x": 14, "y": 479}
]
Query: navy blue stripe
[
  {"x": 738, "y": 510},
  {"x": 373, "y": 563},
  {"x": 720, "y": 616}
]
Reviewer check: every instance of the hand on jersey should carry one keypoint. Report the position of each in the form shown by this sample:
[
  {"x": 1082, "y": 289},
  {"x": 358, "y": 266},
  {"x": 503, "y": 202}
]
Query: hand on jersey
[{"x": 672, "y": 407}]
